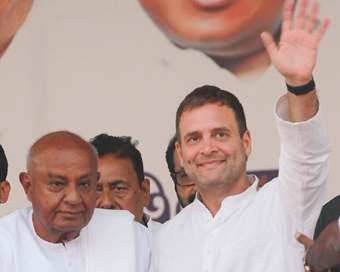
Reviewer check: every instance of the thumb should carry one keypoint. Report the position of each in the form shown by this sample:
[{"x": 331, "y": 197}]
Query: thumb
[
  {"x": 269, "y": 44},
  {"x": 303, "y": 239}
]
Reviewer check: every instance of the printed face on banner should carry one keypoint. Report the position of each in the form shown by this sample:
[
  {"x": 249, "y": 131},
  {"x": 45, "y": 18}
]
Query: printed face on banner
[{"x": 226, "y": 30}]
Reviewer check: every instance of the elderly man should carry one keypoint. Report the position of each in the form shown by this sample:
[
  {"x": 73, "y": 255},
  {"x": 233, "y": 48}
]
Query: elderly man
[
  {"x": 56, "y": 234},
  {"x": 122, "y": 184},
  {"x": 5, "y": 187},
  {"x": 232, "y": 226}
]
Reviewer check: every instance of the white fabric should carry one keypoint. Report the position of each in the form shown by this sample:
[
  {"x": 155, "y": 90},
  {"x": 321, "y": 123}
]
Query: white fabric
[
  {"x": 126, "y": 241},
  {"x": 153, "y": 226},
  {"x": 254, "y": 231},
  {"x": 97, "y": 238}
]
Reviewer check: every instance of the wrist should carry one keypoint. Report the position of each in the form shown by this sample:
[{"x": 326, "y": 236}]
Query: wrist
[
  {"x": 301, "y": 89},
  {"x": 298, "y": 81},
  {"x": 305, "y": 264}
]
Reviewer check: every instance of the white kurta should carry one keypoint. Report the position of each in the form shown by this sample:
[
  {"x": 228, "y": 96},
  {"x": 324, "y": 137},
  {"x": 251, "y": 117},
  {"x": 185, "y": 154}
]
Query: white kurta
[
  {"x": 254, "y": 231},
  {"x": 112, "y": 241},
  {"x": 153, "y": 226}
]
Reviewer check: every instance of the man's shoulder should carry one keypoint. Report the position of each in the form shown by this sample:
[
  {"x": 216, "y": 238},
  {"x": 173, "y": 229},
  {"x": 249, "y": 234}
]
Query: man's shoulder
[
  {"x": 143, "y": 235},
  {"x": 16, "y": 217},
  {"x": 179, "y": 221},
  {"x": 154, "y": 226},
  {"x": 329, "y": 213},
  {"x": 332, "y": 206},
  {"x": 14, "y": 229},
  {"x": 268, "y": 189},
  {"x": 331, "y": 210}
]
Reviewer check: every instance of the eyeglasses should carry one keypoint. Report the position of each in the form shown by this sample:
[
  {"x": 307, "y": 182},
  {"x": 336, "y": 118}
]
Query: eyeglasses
[{"x": 182, "y": 179}]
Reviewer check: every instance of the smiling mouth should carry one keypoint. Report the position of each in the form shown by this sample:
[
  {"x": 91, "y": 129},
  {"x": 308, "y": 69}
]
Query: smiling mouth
[
  {"x": 213, "y": 5},
  {"x": 210, "y": 163}
]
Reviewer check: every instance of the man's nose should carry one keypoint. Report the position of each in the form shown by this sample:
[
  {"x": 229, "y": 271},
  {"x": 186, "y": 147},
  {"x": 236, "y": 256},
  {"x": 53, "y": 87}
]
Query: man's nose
[
  {"x": 207, "y": 146},
  {"x": 72, "y": 195},
  {"x": 107, "y": 200}
]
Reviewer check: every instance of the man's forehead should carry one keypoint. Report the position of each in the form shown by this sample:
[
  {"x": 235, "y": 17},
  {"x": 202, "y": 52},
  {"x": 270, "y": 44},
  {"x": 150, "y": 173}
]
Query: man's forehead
[
  {"x": 117, "y": 167},
  {"x": 113, "y": 182},
  {"x": 207, "y": 115},
  {"x": 207, "y": 106},
  {"x": 113, "y": 160},
  {"x": 59, "y": 151},
  {"x": 62, "y": 159},
  {"x": 60, "y": 140}
]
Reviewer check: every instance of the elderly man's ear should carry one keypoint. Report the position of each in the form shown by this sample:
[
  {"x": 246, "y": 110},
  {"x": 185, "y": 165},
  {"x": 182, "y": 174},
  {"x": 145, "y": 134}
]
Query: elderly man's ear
[
  {"x": 25, "y": 180},
  {"x": 5, "y": 188}
]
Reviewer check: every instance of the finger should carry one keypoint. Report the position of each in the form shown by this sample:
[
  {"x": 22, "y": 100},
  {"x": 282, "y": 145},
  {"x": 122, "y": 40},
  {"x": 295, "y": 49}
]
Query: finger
[
  {"x": 303, "y": 239},
  {"x": 269, "y": 44},
  {"x": 288, "y": 15},
  {"x": 310, "y": 24},
  {"x": 301, "y": 16},
  {"x": 322, "y": 29}
]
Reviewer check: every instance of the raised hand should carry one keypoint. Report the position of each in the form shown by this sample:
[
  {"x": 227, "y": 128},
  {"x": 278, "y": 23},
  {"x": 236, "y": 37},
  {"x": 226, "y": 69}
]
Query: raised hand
[{"x": 295, "y": 55}]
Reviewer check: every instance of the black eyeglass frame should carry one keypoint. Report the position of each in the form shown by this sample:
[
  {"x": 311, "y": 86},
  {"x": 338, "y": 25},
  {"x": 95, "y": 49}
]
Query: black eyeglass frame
[{"x": 174, "y": 175}]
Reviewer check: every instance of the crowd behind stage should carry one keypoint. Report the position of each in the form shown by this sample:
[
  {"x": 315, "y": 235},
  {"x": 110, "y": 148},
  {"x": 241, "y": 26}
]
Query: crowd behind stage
[{"x": 88, "y": 195}]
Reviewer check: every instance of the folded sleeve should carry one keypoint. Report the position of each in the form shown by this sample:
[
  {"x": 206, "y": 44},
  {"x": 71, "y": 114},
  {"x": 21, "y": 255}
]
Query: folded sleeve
[{"x": 303, "y": 171}]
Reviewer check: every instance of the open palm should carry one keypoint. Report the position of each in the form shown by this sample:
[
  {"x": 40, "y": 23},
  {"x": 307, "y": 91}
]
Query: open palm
[{"x": 295, "y": 55}]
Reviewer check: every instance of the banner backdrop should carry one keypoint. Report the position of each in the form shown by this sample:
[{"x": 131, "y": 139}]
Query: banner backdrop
[{"x": 101, "y": 66}]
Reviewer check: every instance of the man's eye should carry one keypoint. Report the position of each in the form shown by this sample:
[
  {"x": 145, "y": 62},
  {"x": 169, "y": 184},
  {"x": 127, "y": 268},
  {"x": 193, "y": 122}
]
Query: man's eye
[
  {"x": 85, "y": 184},
  {"x": 56, "y": 185},
  {"x": 221, "y": 134},
  {"x": 193, "y": 139},
  {"x": 119, "y": 189},
  {"x": 99, "y": 189},
  {"x": 182, "y": 175}
]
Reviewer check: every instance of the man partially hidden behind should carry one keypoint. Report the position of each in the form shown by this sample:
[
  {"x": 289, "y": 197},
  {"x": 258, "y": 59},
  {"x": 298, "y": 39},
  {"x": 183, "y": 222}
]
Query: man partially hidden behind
[
  {"x": 56, "y": 234},
  {"x": 184, "y": 187},
  {"x": 122, "y": 184},
  {"x": 231, "y": 226},
  {"x": 5, "y": 187},
  {"x": 324, "y": 254}
]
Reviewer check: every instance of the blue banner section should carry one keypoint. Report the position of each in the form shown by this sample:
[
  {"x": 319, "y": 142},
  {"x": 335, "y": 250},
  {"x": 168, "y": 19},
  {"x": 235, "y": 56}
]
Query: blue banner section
[{"x": 159, "y": 203}]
